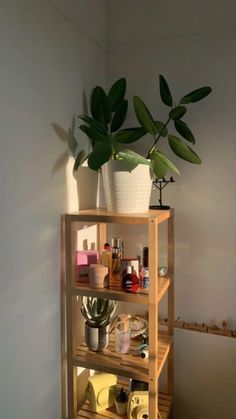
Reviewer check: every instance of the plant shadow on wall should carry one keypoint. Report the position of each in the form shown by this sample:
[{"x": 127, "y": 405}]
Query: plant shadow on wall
[
  {"x": 85, "y": 178},
  {"x": 109, "y": 142}
]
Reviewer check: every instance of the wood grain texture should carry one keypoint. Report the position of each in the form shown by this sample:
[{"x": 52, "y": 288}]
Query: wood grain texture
[{"x": 154, "y": 345}]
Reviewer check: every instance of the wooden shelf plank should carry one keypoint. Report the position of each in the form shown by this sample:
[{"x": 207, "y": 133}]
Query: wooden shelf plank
[
  {"x": 127, "y": 365},
  {"x": 100, "y": 215},
  {"x": 116, "y": 294},
  {"x": 164, "y": 404}
]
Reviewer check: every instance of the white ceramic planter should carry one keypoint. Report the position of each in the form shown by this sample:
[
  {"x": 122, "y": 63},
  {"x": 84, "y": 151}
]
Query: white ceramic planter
[
  {"x": 127, "y": 189},
  {"x": 96, "y": 338}
]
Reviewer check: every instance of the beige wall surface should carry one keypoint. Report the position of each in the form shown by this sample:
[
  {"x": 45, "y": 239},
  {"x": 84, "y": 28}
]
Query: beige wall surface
[
  {"x": 192, "y": 44},
  {"x": 51, "y": 53},
  {"x": 47, "y": 62}
]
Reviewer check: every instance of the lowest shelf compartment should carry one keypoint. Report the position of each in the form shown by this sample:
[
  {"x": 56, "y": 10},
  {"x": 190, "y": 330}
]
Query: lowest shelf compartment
[{"x": 164, "y": 405}]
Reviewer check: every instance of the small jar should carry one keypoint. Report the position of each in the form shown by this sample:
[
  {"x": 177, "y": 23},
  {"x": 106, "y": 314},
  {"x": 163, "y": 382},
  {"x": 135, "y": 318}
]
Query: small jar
[{"x": 145, "y": 278}]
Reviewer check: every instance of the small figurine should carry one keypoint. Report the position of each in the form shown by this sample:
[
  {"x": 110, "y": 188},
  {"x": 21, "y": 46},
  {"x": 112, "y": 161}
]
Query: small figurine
[{"x": 161, "y": 184}]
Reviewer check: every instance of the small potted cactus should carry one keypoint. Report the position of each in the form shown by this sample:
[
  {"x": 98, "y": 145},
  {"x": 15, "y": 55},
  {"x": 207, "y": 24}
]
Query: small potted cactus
[
  {"x": 121, "y": 401},
  {"x": 97, "y": 313}
]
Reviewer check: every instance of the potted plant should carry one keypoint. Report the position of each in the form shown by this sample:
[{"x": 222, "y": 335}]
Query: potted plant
[
  {"x": 122, "y": 169},
  {"x": 121, "y": 401},
  {"x": 103, "y": 127},
  {"x": 97, "y": 312}
]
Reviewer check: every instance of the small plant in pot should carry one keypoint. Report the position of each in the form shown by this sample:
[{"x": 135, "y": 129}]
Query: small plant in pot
[
  {"x": 98, "y": 313},
  {"x": 121, "y": 401}
]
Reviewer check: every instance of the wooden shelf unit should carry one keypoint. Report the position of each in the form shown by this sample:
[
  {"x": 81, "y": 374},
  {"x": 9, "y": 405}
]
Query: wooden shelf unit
[{"x": 74, "y": 351}]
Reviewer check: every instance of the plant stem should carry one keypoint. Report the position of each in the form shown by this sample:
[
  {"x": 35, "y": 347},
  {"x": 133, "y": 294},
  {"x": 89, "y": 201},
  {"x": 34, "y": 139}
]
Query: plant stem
[{"x": 157, "y": 139}]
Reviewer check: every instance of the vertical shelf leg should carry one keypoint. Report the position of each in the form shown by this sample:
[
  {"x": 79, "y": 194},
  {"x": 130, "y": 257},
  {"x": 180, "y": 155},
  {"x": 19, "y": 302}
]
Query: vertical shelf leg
[
  {"x": 153, "y": 318},
  {"x": 63, "y": 322},
  {"x": 70, "y": 247},
  {"x": 171, "y": 308}
]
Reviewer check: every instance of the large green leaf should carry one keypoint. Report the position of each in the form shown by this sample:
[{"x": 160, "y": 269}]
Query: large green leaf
[
  {"x": 159, "y": 168},
  {"x": 161, "y": 129},
  {"x": 144, "y": 116},
  {"x": 117, "y": 93},
  {"x": 183, "y": 129},
  {"x": 82, "y": 156},
  {"x": 133, "y": 157},
  {"x": 165, "y": 91},
  {"x": 196, "y": 95},
  {"x": 161, "y": 164},
  {"x": 177, "y": 112},
  {"x": 119, "y": 116},
  {"x": 94, "y": 134},
  {"x": 182, "y": 150},
  {"x": 90, "y": 121},
  {"x": 130, "y": 135},
  {"x": 100, "y": 106},
  {"x": 101, "y": 153}
]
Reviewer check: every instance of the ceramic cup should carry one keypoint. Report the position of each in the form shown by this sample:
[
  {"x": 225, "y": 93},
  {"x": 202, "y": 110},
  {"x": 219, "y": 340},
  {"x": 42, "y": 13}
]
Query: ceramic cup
[{"x": 97, "y": 274}]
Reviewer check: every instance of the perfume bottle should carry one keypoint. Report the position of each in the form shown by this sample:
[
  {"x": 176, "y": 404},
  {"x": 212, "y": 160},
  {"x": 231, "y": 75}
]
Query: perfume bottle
[
  {"x": 106, "y": 258},
  {"x": 117, "y": 253},
  {"x": 145, "y": 278},
  {"x": 130, "y": 281},
  {"x": 145, "y": 257}
]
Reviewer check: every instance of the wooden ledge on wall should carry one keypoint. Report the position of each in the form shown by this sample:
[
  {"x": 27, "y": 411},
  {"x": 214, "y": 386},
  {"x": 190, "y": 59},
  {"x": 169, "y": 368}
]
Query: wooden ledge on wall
[{"x": 213, "y": 329}]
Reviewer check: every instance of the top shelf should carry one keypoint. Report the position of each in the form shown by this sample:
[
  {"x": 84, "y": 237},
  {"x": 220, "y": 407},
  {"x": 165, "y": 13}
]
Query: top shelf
[{"x": 100, "y": 215}]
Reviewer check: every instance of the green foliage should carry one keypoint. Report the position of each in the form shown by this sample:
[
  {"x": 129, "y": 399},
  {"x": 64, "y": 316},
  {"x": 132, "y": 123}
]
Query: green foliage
[
  {"x": 166, "y": 96},
  {"x": 196, "y": 95},
  {"x": 183, "y": 129},
  {"x": 177, "y": 113},
  {"x": 108, "y": 113},
  {"x": 103, "y": 128},
  {"x": 117, "y": 93},
  {"x": 182, "y": 150},
  {"x": 119, "y": 116},
  {"x": 144, "y": 116},
  {"x": 97, "y": 312},
  {"x": 159, "y": 162}
]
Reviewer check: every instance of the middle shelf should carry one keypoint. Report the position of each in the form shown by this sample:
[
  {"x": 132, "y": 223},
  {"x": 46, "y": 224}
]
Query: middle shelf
[
  {"x": 116, "y": 294},
  {"x": 127, "y": 365}
]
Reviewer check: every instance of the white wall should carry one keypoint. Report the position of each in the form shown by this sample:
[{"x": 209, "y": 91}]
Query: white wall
[
  {"x": 48, "y": 60},
  {"x": 191, "y": 44}
]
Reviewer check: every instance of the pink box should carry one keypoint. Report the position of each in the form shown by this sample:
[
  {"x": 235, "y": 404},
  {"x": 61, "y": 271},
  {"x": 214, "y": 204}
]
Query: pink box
[{"x": 85, "y": 258}]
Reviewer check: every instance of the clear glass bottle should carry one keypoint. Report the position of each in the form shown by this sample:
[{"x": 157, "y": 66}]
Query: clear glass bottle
[{"x": 117, "y": 253}]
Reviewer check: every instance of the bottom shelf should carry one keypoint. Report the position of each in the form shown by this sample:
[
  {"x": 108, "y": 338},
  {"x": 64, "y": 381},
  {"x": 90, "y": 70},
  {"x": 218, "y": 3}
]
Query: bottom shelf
[{"x": 164, "y": 402}]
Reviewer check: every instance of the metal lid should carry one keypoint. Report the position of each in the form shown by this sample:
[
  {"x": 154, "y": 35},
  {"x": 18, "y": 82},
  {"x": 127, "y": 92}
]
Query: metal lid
[{"x": 116, "y": 242}]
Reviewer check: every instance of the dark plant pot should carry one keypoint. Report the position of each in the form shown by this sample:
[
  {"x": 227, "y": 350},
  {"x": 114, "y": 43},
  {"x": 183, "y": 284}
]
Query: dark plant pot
[
  {"x": 121, "y": 408},
  {"x": 96, "y": 338}
]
